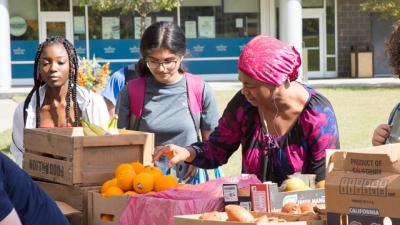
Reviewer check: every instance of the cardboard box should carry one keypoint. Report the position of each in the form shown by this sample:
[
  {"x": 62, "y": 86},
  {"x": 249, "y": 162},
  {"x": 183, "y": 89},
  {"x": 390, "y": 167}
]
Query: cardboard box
[
  {"x": 71, "y": 198},
  {"x": 363, "y": 185},
  {"x": 267, "y": 197},
  {"x": 112, "y": 207},
  {"x": 64, "y": 155},
  {"x": 194, "y": 220}
]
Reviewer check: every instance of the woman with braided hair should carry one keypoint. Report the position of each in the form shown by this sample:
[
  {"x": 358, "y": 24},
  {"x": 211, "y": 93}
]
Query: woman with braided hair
[{"x": 61, "y": 101}]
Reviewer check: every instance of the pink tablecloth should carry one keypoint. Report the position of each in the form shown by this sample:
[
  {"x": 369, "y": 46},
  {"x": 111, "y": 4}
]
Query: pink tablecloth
[{"x": 160, "y": 208}]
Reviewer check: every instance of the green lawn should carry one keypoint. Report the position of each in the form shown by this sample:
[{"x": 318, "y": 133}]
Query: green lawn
[{"x": 358, "y": 112}]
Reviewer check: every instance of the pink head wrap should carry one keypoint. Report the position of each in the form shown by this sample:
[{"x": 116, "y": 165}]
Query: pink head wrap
[{"x": 269, "y": 60}]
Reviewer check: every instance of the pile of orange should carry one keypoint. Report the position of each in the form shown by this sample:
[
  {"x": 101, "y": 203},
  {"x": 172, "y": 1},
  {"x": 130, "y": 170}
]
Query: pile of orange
[{"x": 134, "y": 178}]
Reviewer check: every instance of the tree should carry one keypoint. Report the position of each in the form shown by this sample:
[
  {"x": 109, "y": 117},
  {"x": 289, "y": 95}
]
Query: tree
[
  {"x": 142, "y": 7},
  {"x": 387, "y": 8}
]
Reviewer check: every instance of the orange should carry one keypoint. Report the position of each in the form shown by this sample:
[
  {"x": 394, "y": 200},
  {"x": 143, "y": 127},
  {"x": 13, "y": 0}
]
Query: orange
[
  {"x": 107, "y": 217},
  {"x": 112, "y": 191},
  {"x": 108, "y": 184},
  {"x": 165, "y": 182},
  {"x": 125, "y": 179},
  {"x": 143, "y": 183},
  {"x": 138, "y": 167},
  {"x": 155, "y": 171},
  {"x": 130, "y": 193},
  {"x": 122, "y": 167}
]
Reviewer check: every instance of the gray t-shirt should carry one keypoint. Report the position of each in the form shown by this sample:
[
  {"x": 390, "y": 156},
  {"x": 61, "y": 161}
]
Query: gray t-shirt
[{"x": 166, "y": 113}]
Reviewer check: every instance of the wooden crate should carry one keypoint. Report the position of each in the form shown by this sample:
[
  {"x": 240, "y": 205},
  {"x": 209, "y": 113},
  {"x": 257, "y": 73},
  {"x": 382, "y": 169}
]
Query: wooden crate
[
  {"x": 75, "y": 196},
  {"x": 64, "y": 155}
]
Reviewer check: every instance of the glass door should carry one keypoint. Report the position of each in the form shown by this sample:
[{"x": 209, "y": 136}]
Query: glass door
[
  {"x": 55, "y": 24},
  {"x": 313, "y": 42}
]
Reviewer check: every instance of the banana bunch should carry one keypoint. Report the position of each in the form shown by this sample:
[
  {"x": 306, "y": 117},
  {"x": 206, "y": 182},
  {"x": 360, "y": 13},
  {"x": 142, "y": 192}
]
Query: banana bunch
[{"x": 90, "y": 129}]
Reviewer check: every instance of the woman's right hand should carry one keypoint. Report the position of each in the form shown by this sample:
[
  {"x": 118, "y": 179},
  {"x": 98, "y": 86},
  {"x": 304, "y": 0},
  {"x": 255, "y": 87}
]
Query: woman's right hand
[
  {"x": 175, "y": 153},
  {"x": 380, "y": 135}
]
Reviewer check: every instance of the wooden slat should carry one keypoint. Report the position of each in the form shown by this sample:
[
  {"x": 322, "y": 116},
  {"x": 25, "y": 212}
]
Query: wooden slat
[
  {"x": 77, "y": 162},
  {"x": 45, "y": 142},
  {"x": 48, "y": 168},
  {"x": 113, "y": 140},
  {"x": 148, "y": 149},
  {"x": 99, "y": 163}
]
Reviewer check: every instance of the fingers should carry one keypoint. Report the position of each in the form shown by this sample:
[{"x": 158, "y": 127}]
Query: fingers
[
  {"x": 159, "y": 151},
  {"x": 381, "y": 133}
]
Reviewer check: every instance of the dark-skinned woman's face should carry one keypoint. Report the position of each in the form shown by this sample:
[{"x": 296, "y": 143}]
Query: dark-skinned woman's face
[{"x": 54, "y": 65}]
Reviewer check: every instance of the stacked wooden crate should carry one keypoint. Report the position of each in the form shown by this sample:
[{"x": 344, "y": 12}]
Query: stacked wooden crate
[{"x": 69, "y": 164}]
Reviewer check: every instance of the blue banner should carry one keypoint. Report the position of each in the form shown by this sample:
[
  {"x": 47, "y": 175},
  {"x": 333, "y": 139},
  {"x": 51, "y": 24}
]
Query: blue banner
[
  {"x": 224, "y": 52},
  {"x": 23, "y": 50},
  {"x": 115, "y": 49}
]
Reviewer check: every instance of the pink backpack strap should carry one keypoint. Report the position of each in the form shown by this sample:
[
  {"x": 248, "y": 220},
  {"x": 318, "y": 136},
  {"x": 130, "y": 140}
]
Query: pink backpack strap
[
  {"x": 195, "y": 88},
  {"x": 136, "y": 89}
]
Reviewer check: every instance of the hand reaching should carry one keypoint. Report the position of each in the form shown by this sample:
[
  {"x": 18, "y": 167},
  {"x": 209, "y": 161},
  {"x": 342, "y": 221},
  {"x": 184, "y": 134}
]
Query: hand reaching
[
  {"x": 380, "y": 135},
  {"x": 175, "y": 153}
]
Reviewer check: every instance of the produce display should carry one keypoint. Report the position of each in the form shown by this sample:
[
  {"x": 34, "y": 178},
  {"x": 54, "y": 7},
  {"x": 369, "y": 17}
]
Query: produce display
[
  {"x": 290, "y": 212},
  {"x": 134, "y": 178}
]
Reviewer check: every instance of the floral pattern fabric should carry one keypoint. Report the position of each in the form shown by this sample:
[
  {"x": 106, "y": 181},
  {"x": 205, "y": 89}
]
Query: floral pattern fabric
[{"x": 301, "y": 149}]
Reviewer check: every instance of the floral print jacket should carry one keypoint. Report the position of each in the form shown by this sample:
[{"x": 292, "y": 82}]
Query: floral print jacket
[{"x": 301, "y": 149}]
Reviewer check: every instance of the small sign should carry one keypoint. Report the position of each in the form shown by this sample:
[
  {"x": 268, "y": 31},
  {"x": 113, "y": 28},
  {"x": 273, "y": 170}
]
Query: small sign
[
  {"x": 206, "y": 26},
  {"x": 18, "y": 26},
  {"x": 239, "y": 22},
  {"x": 79, "y": 24},
  {"x": 110, "y": 28},
  {"x": 190, "y": 29}
]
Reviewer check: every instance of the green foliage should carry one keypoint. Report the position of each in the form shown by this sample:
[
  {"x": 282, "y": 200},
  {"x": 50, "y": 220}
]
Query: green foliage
[{"x": 387, "y": 8}]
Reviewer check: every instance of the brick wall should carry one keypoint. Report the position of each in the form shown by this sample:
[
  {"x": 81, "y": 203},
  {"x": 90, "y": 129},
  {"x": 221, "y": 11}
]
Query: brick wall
[{"x": 354, "y": 28}]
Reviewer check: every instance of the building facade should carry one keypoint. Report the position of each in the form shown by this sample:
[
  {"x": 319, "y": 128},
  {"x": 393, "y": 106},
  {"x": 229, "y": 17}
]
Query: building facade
[{"x": 216, "y": 30}]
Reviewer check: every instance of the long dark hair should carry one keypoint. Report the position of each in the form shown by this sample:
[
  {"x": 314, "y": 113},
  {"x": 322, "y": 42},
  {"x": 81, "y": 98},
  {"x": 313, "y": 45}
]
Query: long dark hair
[
  {"x": 72, "y": 78},
  {"x": 164, "y": 35}
]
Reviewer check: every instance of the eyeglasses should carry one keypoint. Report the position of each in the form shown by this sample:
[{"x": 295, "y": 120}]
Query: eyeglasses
[{"x": 167, "y": 65}]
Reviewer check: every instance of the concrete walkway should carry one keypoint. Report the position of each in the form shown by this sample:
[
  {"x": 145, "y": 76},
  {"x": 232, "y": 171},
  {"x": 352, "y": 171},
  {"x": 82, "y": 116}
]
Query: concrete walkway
[{"x": 7, "y": 105}]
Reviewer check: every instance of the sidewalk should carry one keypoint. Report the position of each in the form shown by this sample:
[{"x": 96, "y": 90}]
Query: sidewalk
[{"x": 7, "y": 105}]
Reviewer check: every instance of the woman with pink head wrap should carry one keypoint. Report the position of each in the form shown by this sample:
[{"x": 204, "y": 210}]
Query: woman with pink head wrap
[{"x": 282, "y": 125}]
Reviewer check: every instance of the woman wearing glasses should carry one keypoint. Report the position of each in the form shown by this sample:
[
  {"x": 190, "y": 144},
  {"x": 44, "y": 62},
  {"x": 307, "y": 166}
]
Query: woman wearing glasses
[{"x": 164, "y": 107}]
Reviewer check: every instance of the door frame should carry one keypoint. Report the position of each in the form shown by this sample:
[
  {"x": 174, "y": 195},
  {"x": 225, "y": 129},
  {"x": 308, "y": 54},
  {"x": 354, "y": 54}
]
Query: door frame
[
  {"x": 55, "y": 17},
  {"x": 320, "y": 15}
]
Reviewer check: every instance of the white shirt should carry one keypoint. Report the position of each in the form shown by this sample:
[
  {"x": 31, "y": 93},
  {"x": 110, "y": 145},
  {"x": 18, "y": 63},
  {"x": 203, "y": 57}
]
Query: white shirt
[{"x": 92, "y": 106}]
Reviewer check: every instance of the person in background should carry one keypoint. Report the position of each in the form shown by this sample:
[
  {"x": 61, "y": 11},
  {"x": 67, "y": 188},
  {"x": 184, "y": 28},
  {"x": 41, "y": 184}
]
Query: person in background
[
  {"x": 115, "y": 84},
  {"x": 55, "y": 99},
  {"x": 382, "y": 132},
  {"x": 283, "y": 126},
  {"x": 21, "y": 199},
  {"x": 165, "y": 105}
]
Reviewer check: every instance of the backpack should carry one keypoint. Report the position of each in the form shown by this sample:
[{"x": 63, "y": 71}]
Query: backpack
[
  {"x": 195, "y": 89},
  {"x": 194, "y": 86}
]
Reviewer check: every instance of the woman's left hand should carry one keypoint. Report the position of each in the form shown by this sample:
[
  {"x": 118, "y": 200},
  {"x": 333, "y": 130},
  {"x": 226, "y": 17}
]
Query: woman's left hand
[{"x": 190, "y": 172}]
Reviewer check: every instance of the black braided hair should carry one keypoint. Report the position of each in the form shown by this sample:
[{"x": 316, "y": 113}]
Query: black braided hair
[{"x": 72, "y": 80}]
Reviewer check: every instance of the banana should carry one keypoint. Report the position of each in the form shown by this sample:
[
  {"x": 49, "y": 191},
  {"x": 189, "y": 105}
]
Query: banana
[
  {"x": 90, "y": 129},
  {"x": 86, "y": 129},
  {"x": 112, "y": 125},
  {"x": 98, "y": 129}
]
